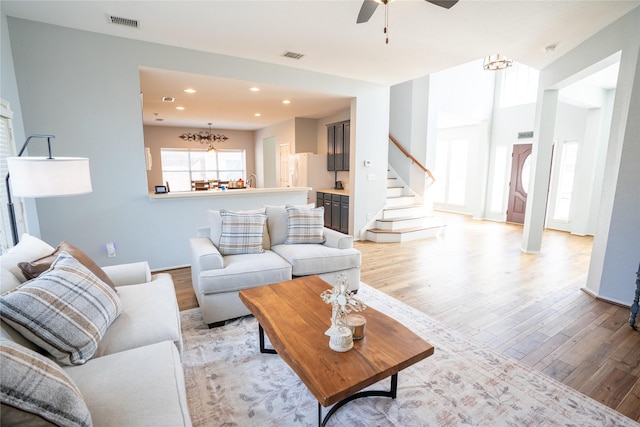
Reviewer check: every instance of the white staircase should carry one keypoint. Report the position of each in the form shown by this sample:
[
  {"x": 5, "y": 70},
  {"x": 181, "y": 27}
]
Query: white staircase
[{"x": 404, "y": 217}]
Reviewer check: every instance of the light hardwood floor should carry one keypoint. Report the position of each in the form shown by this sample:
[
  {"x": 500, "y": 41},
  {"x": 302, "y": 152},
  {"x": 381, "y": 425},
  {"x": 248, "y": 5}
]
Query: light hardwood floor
[{"x": 475, "y": 279}]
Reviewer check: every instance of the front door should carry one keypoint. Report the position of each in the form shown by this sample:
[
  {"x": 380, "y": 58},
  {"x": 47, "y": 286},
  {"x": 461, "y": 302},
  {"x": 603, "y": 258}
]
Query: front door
[{"x": 519, "y": 185}]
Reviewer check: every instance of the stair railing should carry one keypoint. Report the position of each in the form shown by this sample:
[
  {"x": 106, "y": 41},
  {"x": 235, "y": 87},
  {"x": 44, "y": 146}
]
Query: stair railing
[{"x": 413, "y": 159}]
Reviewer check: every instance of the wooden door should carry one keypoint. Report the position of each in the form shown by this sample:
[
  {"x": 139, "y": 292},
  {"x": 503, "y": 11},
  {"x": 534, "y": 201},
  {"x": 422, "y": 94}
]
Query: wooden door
[{"x": 518, "y": 186}]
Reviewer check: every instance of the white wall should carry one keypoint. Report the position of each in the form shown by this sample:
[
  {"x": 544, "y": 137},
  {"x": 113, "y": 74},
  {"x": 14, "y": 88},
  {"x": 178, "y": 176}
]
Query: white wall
[
  {"x": 84, "y": 88},
  {"x": 616, "y": 247},
  {"x": 408, "y": 124}
]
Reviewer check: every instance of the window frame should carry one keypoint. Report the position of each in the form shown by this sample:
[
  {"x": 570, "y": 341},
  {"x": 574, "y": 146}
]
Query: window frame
[{"x": 210, "y": 174}]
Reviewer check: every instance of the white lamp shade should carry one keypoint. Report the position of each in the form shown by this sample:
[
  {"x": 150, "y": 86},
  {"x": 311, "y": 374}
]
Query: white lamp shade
[{"x": 44, "y": 177}]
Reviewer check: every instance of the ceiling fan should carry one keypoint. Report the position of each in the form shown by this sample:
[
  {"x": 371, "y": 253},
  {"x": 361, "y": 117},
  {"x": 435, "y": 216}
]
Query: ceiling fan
[{"x": 369, "y": 6}]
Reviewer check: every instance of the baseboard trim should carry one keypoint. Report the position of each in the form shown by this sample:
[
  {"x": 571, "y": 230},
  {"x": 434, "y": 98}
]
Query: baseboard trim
[{"x": 601, "y": 298}]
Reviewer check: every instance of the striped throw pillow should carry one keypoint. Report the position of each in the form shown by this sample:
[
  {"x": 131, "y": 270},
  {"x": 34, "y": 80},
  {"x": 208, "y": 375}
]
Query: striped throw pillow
[
  {"x": 66, "y": 310},
  {"x": 305, "y": 225},
  {"x": 35, "y": 388},
  {"x": 241, "y": 233}
]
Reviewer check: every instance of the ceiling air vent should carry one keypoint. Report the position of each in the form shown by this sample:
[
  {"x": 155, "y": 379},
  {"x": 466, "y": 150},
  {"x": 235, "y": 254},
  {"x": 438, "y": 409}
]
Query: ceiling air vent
[
  {"x": 168, "y": 99},
  {"x": 123, "y": 21},
  {"x": 293, "y": 55}
]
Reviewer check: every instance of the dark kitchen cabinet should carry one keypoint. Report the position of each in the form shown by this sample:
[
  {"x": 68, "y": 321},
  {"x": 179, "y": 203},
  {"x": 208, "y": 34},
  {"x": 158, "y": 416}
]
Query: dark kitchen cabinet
[
  {"x": 344, "y": 214},
  {"x": 338, "y": 146},
  {"x": 336, "y": 211}
]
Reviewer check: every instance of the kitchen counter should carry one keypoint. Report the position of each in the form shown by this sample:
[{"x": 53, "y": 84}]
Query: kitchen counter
[
  {"x": 334, "y": 191},
  {"x": 217, "y": 193}
]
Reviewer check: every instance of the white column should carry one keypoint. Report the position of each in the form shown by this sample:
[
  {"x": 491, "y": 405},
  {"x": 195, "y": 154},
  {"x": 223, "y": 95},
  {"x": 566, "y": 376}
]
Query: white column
[{"x": 540, "y": 172}]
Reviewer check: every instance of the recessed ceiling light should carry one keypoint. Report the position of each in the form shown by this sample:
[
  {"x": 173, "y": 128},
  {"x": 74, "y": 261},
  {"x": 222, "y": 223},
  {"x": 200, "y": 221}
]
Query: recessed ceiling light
[
  {"x": 257, "y": 114},
  {"x": 190, "y": 90},
  {"x": 254, "y": 89},
  {"x": 179, "y": 108},
  {"x": 286, "y": 101}
]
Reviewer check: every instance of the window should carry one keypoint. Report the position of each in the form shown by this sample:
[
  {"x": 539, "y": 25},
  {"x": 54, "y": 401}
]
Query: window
[
  {"x": 451, "y": 164},
  {"x": 8, "y": 149},
  {"x": 565, "y": 181},
  {"x": 519, "y": 86},
  {"x": 181, "y": 166},
  {"x": 499, "y": 180}
]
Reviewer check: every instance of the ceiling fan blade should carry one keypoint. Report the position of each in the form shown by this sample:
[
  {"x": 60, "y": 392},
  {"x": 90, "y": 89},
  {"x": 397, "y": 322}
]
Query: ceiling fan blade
[
  {"x": 367, "y": 9},
  {"x": 447, "y": 4}
]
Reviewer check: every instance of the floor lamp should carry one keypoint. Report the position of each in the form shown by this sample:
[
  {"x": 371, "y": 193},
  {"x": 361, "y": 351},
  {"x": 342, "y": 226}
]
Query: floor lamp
[{"x": 44, "y": 177}]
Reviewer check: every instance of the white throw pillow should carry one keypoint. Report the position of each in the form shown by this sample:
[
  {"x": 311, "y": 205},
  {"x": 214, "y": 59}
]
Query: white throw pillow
[
  {"x": 241, "y": 233},
  {"x": 277, "y": 222},
  {"x": 28, "y": 249},
  {"x": 215, "y": 227},
  {"x": 305, "y": 226}
]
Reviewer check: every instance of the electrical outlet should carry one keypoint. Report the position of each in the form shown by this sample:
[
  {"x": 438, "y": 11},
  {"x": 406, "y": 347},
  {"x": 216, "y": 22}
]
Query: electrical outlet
[{"x": 111, "y": 250}]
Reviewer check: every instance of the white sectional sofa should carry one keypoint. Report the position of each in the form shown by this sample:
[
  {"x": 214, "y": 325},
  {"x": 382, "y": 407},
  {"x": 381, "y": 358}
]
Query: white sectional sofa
[
  {"x": 135, "y": 377},
  {"x": 218, "y": 278}
]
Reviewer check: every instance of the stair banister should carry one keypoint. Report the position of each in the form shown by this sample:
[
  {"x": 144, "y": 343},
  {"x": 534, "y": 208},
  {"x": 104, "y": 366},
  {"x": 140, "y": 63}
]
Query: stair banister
[{"x": 410, "y": 157}]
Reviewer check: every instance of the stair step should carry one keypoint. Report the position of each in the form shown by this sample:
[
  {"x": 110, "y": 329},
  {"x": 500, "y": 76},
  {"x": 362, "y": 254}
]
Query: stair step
[
  {"x": 400, "y": 223},
  {"x": 404, "y": 235},
  {"x": 395, "y": 191},
  {"x": 403, "y": 211},
  {"x": 403, "y": 200}
]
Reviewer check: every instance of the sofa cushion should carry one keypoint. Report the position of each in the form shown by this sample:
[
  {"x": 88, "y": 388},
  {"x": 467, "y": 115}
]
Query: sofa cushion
[
  {"x": 304, "y": 225},
  {"x": 66, "y": 310},
  {"x": 138, "y": 387},
  {"x": 149, "y": 315},
  {"x": 33, "y": 269},
  {"x": 244, "y": 271},
  {"x": 277, "y": 222},
  {"x": 306, "y": 260},
  {"x": 35, "y": 389},
  {"x": 27, "y": 249},
  {"x": 215, "y": 227},
  {"x": 241, "y": 233}
]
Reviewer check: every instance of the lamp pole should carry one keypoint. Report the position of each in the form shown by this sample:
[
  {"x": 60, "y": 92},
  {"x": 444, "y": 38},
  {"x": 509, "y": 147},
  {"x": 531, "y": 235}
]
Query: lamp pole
[{"x": 12, "y": 211}]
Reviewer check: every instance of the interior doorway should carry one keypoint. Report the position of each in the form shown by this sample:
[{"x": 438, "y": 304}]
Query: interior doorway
[{"x": 519, "y": 184}]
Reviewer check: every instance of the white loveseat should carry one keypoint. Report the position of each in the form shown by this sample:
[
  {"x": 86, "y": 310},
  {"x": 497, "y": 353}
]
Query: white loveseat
[
  {"x": 218, "y": 278},
  {"x": 135, "y": 377}
]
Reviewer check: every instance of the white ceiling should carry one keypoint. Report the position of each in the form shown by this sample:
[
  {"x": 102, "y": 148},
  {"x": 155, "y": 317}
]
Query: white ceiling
[{"x": 423, "y": 39}]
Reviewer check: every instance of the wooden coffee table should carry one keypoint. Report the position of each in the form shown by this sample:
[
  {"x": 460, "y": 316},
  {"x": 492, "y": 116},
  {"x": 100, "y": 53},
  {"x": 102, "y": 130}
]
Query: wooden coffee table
[{"x": 295, "y": 318}]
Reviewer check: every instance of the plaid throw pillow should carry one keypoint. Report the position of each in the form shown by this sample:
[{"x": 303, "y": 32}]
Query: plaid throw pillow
[
  {"x": 66, "y": 310},
  {"x": 241, "y": 233},
  {"x": 305, "y": 225},
  {"x": 34, "y": 387}
]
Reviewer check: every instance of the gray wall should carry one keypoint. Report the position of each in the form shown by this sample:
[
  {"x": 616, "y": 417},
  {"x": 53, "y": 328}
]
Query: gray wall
[{"x": 84, "y": 88}]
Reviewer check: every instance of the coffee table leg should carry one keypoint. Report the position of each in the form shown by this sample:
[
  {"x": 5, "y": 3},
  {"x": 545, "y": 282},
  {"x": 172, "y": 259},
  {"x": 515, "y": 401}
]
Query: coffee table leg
[
  {"x": 262, "y": 349},
  {"x": 383, "y": 393}
]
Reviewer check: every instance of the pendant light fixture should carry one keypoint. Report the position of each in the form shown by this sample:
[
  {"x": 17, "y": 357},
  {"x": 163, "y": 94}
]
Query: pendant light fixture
[{"x": 496, "y": 62}]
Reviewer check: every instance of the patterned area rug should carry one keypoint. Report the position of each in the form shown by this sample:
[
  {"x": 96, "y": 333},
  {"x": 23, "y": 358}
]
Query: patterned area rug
[{"x": 230, "y": 383}]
